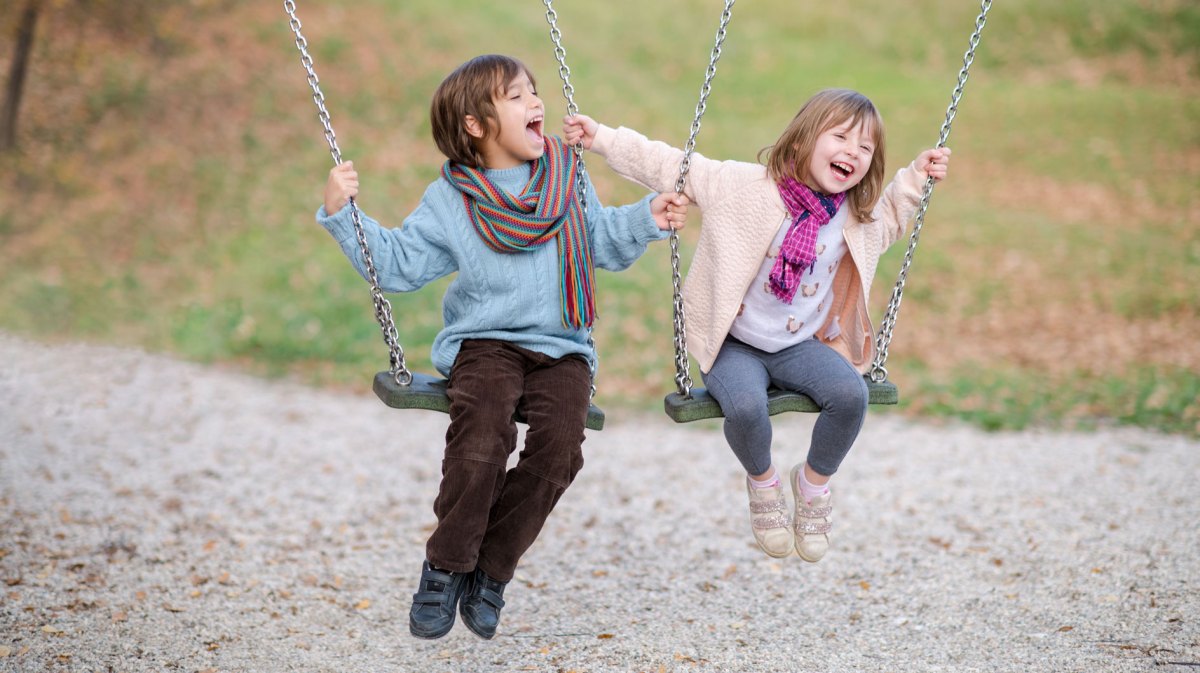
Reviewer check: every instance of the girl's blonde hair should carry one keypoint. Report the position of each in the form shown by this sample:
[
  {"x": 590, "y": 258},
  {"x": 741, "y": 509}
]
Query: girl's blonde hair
[
  {"x": 789, "y": 156},
  {"x": 469, "y": 90}
]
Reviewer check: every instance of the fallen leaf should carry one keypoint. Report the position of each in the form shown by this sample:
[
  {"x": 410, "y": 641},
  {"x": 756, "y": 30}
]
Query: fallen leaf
[
  {"x": 1064, "y": 629},
  {"x": 729, "y": 572},
  {"x": 865, "y": 585},
  {"x": 5, "y": 650},
  {"x": 120, "y": 616},
  {"x": 363, "y": 604},
  {"x": 605, "y": 636},
  {"x": 210, "y": 545},
  {"x": 599, "y": 573}
]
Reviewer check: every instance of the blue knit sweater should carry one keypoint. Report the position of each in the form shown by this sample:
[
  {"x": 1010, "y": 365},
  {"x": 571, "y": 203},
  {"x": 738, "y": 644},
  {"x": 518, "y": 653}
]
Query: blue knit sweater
[{"x": 508, "y": 296}]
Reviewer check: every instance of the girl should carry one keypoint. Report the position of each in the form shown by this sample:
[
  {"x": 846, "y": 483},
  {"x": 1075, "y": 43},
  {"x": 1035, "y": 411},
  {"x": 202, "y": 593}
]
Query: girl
[
  {"x": 505, "y": 218},
  {"x": 777, "y": 292}
]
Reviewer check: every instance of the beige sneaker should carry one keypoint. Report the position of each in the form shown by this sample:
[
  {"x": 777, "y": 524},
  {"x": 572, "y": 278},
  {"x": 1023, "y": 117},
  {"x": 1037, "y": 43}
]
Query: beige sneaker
[
  {"x": 769, "y": 520},
  {"x": 811, "y": 522}
]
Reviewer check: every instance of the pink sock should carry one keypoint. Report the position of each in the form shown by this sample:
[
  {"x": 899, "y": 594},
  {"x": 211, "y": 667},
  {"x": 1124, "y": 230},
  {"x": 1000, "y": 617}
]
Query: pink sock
[
  {"x": 768, "y": 483},
  {"x": 810, "y": 491}
]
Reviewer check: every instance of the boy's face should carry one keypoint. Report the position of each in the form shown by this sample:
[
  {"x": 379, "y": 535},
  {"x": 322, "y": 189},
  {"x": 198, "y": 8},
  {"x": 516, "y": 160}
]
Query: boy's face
[
  {"x": 520, "y": 114},
  {"x": 841, "y": 157}
]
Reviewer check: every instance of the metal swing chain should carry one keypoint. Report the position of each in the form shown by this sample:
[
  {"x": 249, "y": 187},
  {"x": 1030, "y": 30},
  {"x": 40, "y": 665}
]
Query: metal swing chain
[
  {"x": 581, "y": 177},
  {"x": 884, "y": 338},
  {"x": 383, "y": 308},
  {"x": 683, "y": 378}
]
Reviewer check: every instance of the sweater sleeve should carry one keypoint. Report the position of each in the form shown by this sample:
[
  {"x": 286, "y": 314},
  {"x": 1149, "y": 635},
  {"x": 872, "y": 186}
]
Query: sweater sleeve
[
  {"x": 406, "y": 258},
  {"x": 898, "y": 204},
  {"x": 620, "y": 234},
  {"x": 655, "y": 165}
]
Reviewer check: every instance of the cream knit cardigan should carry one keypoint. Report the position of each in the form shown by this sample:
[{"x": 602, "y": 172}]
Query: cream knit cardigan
[{"x": 742, "y": 212}]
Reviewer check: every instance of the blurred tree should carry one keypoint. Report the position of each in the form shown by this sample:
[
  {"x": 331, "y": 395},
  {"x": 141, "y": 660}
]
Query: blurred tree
[
  {"x": 127, "y": 20},
  {"x": 22, "y": 47}
]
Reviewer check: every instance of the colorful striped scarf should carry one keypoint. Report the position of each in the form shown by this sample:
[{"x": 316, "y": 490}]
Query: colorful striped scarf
[
  {"x": 547, "y": 208},
  {"x": 810, "y": 211}
]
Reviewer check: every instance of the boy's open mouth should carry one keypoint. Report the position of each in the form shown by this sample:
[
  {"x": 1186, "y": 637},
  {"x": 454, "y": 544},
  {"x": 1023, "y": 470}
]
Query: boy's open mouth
[
  {"x": 534, "y": 129},
  {"x": 842, "y": 170}
]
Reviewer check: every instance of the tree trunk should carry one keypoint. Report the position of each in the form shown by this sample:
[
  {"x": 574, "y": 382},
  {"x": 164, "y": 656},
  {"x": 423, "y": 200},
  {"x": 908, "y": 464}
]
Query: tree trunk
[{"x": 16, "y": 75}]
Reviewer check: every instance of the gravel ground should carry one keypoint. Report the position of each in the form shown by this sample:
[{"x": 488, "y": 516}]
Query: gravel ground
[{"x": 161, "y": 516}]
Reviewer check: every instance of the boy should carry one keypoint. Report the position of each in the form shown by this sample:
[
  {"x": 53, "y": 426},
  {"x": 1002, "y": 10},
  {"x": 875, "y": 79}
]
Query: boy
[{"x": 505, "y": 216}]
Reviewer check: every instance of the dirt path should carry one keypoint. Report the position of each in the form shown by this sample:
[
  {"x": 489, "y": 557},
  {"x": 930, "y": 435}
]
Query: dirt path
[{"x": 159, "y": 516}]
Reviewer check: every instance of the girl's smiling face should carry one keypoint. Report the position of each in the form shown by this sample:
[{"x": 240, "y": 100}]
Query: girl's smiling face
[
  {"x": 516, "y": 136},
  {"x": 841, "y": 156}
]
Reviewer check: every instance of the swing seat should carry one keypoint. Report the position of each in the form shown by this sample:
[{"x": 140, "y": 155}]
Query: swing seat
[
  {"x": 429, "y": 392},
  {"x": 701, "y": 405}
]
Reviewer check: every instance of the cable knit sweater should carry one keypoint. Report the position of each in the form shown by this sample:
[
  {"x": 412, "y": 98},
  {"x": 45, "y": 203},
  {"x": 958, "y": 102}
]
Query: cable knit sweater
[
  {"x": 742, "y": 212},
  {"x": 511, "y": 297}
]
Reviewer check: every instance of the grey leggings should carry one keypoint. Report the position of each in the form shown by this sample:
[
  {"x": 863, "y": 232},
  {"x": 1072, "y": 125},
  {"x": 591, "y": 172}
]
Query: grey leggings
[{"x": 739, "y": 380}]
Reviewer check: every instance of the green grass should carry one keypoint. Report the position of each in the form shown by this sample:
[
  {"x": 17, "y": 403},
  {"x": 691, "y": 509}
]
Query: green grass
[{"x": 166, "y": 201}]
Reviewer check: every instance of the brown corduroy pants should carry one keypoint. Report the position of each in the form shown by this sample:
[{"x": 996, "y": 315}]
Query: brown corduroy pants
[{"x": 488, "y": 516}]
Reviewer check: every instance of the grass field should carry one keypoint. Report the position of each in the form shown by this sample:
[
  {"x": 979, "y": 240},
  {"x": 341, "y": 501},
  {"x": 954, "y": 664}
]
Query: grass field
[{"x": 163, "y": 192}]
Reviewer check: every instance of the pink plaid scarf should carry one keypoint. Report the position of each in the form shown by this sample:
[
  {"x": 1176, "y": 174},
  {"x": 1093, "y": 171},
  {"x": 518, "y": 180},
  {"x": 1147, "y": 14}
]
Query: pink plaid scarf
[{"x": 810, "y": 211}]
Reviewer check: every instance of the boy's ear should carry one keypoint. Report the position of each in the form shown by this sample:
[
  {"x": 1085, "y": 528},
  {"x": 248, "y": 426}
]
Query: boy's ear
[{"x": 474, "y": 128}]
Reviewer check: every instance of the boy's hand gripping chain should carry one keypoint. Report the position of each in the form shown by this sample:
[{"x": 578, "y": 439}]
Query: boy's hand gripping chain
[{"x": 383, "y": 308}]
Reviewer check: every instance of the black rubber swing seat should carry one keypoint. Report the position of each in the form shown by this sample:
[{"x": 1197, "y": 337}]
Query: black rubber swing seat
[
  {"x": 701, "y": 405},
  {"x": 429, "y": 392}
]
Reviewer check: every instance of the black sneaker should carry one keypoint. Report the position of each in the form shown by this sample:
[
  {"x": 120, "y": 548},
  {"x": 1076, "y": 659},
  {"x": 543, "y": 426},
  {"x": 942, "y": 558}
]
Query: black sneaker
[
  {"x": 481, "y": 605},
  {"x": 432, "y": 613}
]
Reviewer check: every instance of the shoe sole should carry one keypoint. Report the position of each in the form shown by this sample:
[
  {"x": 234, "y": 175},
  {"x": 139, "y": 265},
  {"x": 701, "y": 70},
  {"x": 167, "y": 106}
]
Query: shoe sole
[
  {"x": 428, "y": 635},
  {"x": 473, "y": 629},
  {"x": 797, "y": 497}
]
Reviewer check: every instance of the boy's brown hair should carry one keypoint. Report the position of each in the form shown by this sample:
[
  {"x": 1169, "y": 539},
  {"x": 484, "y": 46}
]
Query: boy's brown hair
[
  {"x": 469, "y": 90},
  {"x": 789, "y": 156}
]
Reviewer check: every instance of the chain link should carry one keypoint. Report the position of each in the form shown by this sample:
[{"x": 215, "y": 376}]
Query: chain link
[
  {"x": 383, "y": 308},
  {"x": 884, "y": 338},
  {"x": 683, "y": 378},
  {"x": 581, "y": 176}
]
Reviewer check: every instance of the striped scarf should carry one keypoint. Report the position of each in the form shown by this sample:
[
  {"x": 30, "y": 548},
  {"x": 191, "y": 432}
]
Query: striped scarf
[
  {"x": 546, "y": 209},
  {"x": 810, "y": 211}
]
